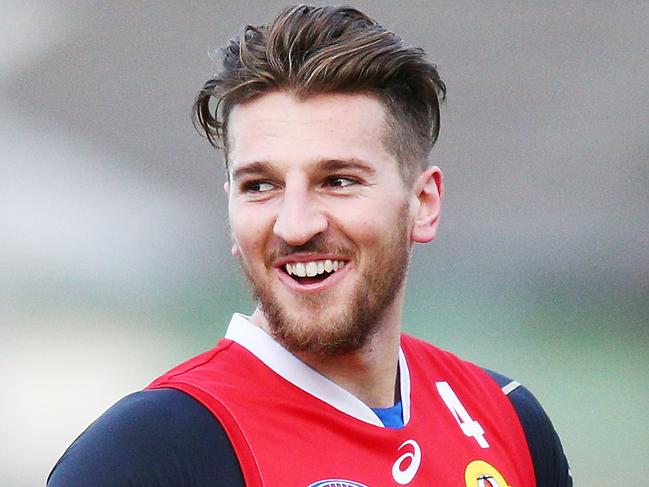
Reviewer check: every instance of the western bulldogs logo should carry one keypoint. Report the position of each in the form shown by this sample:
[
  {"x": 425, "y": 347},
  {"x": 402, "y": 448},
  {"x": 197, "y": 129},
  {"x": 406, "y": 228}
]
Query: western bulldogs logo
[
  {"x": 480, "y": 474},
  {"x": 337, "y": 483},
  {"x": 487, "y": 481}
]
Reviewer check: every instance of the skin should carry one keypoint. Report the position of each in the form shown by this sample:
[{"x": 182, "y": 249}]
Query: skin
[{"x": 312, "y": 179}]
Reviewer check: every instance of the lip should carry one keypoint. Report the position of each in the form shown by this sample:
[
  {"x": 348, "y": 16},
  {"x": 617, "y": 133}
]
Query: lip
[{"x": 315, "y": 287}]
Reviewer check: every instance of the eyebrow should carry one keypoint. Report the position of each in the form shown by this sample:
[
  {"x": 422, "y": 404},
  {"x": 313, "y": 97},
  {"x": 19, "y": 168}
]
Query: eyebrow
[
  {"x": 259, "y": 167},
  {"x": 346, "y": 164},
  {"x": 255, "y": 167}
]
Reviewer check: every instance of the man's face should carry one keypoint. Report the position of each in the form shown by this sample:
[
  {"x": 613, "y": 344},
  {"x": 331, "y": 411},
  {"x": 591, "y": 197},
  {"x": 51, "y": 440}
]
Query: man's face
[{"x": 320, "y": 217}]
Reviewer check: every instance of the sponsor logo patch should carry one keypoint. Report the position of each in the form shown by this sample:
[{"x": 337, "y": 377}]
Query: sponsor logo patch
[
  {"x": 479, "y": 473},
  {"x": 336, "y": 483}
]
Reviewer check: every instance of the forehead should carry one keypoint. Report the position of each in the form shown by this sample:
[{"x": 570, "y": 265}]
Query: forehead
[{"x": 278, "y": 127}]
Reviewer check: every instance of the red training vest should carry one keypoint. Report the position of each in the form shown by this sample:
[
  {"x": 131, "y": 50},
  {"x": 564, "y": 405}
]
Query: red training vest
[{"x": 462, "y": 429}]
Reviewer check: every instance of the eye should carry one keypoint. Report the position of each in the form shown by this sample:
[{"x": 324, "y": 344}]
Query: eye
[
  {"x": 340, "y": 181},
  {"x": 257, "y": 187}
]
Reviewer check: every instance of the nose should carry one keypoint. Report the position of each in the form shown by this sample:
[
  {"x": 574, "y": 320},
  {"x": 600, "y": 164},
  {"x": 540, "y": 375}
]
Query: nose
[{"x": 299, "y": 218}]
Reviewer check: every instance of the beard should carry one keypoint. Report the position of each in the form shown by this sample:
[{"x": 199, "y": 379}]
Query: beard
[{"x": 324, "y": 325}]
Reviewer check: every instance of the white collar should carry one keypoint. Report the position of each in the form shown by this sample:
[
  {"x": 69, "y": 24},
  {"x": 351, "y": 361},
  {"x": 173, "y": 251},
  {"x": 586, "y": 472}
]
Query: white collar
[{"x": 288, "y": 366}]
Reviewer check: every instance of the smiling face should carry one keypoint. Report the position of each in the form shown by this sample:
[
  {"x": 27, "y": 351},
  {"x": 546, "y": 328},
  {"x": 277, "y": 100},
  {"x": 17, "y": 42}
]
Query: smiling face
[{"x": 321, "y": 219}]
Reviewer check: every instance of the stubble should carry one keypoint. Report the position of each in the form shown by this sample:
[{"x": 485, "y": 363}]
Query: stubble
[{"x": 319, "y": 326}]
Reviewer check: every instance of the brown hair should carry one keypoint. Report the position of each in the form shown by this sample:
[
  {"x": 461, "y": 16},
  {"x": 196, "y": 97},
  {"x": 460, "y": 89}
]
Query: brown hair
[{"x": 315, "y": 50}]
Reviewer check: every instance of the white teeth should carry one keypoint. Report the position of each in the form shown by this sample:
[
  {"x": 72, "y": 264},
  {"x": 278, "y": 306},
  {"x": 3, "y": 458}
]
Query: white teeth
[{"x": 313, "y": 268}]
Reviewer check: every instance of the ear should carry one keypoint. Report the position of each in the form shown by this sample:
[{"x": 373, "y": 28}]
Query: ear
[
  {"x": 235, "y": 249},
  {"x": 428, "y": 191}
]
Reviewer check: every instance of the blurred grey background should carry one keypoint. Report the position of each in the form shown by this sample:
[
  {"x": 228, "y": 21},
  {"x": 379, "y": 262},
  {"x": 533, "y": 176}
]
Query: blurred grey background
[{"x": 114, "y": 261}]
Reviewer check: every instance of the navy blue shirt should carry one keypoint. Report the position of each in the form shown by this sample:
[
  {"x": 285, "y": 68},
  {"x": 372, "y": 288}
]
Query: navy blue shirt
[{"x": 164, "y": 437}]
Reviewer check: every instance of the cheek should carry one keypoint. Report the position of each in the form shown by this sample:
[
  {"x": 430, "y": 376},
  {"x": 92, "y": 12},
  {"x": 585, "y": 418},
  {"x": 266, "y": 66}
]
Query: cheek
[
  {"x": 361, "y": 220},
  {"x": 372, "y": 227},
  {"x": 368, "y": 232},
  {"x": 248, "y": 239},
  {"x": 383, "y": 229}
]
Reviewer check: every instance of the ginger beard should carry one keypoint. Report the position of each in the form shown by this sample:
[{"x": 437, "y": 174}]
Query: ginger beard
[{"x": 324, "y": 325}]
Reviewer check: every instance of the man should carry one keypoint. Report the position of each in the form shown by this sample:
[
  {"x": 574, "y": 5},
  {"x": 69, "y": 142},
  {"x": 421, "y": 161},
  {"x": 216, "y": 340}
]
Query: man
[{"x": 327, "y": 121}]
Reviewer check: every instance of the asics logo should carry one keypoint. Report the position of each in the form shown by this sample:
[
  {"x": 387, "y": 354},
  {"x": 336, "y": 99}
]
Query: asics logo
[{"x": 406, "y": 466}]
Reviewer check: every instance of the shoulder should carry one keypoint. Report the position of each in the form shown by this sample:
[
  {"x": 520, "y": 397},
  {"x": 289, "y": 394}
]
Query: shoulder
[
  {"x": 550, "y": 463},
  {"x": 153, "y": 437},
  {"x": 206, "y": 361}
]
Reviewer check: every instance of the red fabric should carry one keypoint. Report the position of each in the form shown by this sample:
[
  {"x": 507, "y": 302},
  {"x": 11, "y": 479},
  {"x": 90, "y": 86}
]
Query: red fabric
[{"x": 285, "y": 436}]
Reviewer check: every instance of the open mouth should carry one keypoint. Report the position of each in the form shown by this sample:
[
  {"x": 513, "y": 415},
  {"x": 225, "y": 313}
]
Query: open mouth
[{"x": 314, "y": 271}]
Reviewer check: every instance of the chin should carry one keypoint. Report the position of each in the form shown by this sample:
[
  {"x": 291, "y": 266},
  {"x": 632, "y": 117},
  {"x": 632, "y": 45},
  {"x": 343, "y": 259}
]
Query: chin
[{"x": 330, "y": 334}]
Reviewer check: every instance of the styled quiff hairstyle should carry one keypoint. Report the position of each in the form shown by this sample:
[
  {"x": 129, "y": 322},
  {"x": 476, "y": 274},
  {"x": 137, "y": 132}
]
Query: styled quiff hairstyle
[{"x": 309, "y": 51}]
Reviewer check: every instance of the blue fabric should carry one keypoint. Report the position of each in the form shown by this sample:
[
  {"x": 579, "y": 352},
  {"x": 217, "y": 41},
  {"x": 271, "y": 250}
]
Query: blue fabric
[
  {"x": 391, "y": 417},
  {"x": 550, "y": 463},
  {"x": 158, "y": 438},
  {"x": 164, "y": 438}
]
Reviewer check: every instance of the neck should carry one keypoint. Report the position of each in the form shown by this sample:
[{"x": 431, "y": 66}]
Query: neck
[{"x": 369, "y": 373}]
